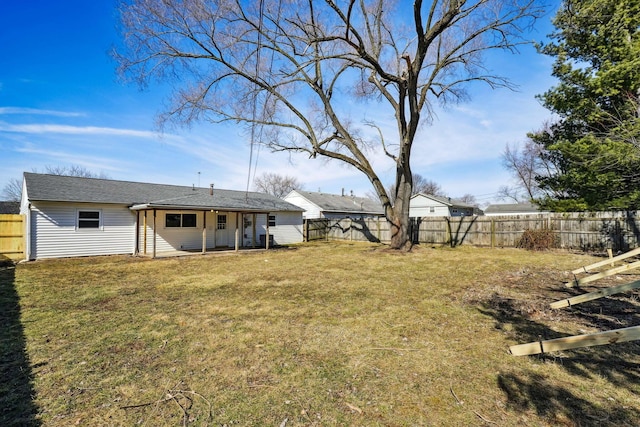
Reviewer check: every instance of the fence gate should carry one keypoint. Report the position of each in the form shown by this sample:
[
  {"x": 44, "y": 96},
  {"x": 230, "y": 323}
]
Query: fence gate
[
  {"x": 316, "y": 229},
  {"x": 11, "y": 237}
]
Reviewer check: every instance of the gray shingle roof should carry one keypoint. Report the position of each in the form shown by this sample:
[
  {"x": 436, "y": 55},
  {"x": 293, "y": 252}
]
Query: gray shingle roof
[
  {"x": 447, "y": 201},
  {"x": 338, "y": 203},
  {"x": 9, "y": 207},
  {"x": 58, "y": 188},
  {"x": 512, "y": 208}
]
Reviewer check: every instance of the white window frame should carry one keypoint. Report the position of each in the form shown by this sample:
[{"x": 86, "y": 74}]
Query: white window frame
[
  {"x": 221, "y": 225},
  {"x": 87, "y": 220}
]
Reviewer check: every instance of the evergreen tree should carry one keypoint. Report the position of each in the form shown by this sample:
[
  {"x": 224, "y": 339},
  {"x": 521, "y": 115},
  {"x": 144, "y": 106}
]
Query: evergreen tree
[{"x": 594, "y": 143}]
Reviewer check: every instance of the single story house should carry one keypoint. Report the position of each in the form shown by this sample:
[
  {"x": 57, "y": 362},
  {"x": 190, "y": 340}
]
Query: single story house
[
  {"x": 422, "y": 205},
  {"x": 322, "y": 205},
  {"x": 511, "y": 209},
  {"x": 72, "y": 216}
]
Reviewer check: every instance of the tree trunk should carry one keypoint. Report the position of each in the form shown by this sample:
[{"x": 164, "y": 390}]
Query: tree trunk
[{"x": 399, "y": 214}]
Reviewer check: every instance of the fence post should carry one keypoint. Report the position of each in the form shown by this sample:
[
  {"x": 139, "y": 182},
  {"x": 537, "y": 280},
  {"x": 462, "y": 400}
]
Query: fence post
[
  {"x": 493, "y": 233},
  {"x": 350, "y": 229}
]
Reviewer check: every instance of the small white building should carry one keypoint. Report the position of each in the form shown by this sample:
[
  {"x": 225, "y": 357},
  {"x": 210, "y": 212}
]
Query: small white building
[
  {"x": 322, "y": 205},
  {"x": 72, "y": 216},
  {"x": 422, "y": 205}
]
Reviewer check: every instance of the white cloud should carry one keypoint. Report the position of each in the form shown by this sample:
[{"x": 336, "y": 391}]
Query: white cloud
[
  {"x": 90, "y": 162},
  {"x": 36, "y": 111},
  {"x": 40, "y": 128}
]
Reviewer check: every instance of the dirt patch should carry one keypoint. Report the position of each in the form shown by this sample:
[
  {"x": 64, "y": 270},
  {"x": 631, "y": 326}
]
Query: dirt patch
[{"x": 520, "y": 303}]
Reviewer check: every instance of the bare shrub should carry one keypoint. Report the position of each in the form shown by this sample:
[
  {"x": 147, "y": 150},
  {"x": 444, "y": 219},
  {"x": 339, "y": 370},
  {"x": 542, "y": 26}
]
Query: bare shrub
[{"x": 538, "y": 240}]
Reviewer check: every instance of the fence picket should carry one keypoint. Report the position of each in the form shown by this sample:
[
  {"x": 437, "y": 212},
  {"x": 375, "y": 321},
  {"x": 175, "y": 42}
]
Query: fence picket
[{"x": 11, "y": 237}]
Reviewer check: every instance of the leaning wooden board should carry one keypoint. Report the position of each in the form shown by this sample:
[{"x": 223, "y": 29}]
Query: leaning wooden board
[
  {"x": 588, "y": 340},
  {"x": 607, "y": 273},
  {"x": 609, "y": 261},
  {"x": 596, "y": 294}
]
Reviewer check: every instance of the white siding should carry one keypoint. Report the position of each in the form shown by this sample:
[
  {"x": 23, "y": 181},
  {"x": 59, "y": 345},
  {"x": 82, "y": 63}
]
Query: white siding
[
  {"x": 171, "y": 239},
  {"x": 420, "y": 206},
  {"x": 221, "y": 238},
  {"x": 288, "y": 227},
  {"x": 53, "y": 231},
  {"x": 311, "y": 210}
]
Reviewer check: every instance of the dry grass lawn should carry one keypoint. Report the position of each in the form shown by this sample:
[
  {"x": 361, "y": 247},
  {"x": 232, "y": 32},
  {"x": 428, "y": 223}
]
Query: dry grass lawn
[{"x": 327, "y": 334}]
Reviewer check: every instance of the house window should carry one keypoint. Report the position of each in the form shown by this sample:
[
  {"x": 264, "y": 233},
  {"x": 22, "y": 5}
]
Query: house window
[
  {"x": 272, "y": 220},
  {"x": 189, "y": 220},
  {"x": 174, "y": 220},
  {"x": 222, "y": 222},
  {"x": 432, "y": 209},
  {"x": 88, "y": 219}
]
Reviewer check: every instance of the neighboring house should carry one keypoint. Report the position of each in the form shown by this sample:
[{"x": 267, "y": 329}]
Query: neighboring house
[
  {"x": 422, "y": 205},
  {"x": 72, "y": 216},
  {"x": 322, "y": 205},
  {"x": 513, "y": 209},
  {"x": 9, "y": 207}
]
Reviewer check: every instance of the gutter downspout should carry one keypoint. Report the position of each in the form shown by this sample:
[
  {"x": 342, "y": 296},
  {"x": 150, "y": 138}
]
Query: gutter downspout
[
  {"x": 27, "y": 233},
  {"x": 154, "y": 233},
  {"x": 136, "y": 249}
]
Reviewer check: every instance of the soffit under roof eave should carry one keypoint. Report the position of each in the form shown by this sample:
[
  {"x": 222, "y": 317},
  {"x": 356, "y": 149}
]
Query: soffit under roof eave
[{"x": 150, "y": 206}]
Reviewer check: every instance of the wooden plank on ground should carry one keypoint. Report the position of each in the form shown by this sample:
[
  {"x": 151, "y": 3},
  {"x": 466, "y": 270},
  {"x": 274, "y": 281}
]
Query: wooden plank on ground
[
  {"x": 606, "y": 273},
  {"x": 596, "y": 294},
  {"x": 578, "y": 341},
  {"x": 625, "y": 255}
]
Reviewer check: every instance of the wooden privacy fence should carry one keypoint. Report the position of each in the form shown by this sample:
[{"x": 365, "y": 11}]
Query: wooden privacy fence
[
  {"x": 11, "y": 237},
  {"x": 592, "y": 231}
]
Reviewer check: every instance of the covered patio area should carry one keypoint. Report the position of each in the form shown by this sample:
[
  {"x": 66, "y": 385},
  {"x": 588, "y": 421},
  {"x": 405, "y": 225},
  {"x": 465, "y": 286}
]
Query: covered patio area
[{"x": 186, "y": 230}]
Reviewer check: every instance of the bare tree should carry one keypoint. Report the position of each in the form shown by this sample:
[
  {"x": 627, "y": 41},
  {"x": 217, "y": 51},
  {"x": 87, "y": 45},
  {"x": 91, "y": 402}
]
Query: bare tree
[
  {"x": 288, "y": 69},
  {"x": 275, "y": 184},
  {"x": 523, "y": 165},
  {"x": 426, "y": 186},
  {"x": 510, "y": 192},
  {"x": 469, "y": 199},
  {"x": 527, "y": 165},
  {"x": 74, "y": 170},
  {"x": 12, "y": 191},
  {"x": 420, "y": 185}
]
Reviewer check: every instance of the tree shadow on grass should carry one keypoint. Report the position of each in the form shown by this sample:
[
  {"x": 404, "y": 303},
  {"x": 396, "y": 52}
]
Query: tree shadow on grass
[
  {"x": 619, "y": 363},
  {"x": 559, "y": 405},
  {"x": 17, "y": 407}
]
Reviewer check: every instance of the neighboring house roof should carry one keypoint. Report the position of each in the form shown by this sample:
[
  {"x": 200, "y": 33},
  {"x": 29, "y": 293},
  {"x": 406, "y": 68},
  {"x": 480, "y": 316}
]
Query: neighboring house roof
[
  {"x": 512, "y": 209},
  {"x": 9, "y": 207},
  {"x": 447, "y": 201},
  {"x": 139, "y": 195},
  {"x": 342, "y": 204}
]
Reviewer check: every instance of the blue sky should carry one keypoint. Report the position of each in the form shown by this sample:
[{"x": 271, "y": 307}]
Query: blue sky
[{"x": 61, "y": 104}]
